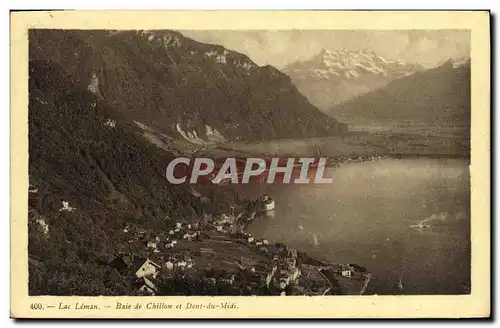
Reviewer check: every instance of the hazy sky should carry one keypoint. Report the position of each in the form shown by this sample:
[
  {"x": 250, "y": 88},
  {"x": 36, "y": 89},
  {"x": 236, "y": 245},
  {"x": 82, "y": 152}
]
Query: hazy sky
[{"x": 280, "y": 48}]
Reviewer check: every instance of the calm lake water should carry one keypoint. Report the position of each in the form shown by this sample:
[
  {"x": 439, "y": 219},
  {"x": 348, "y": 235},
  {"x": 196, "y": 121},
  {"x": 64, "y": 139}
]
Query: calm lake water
[{"x": 366, "y": 215}]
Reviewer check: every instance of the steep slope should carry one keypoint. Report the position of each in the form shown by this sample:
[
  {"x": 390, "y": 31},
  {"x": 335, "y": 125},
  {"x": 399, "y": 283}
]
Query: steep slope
[
  {"x": 438, "y": 95},
  {"x": 174, "y": 83},
  {"x": 110, "y": 175},
  {"x": 334, "y": 76}
]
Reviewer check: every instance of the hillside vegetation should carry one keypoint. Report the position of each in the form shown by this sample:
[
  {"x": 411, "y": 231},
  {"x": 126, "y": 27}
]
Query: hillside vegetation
[
  {"x": 164, "y": 79},
  {"x": 111, "y": 176},
  {"x": 437, "y": 96}
]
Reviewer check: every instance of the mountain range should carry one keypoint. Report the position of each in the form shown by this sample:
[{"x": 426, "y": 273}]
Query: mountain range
[
  {"x": 175, "y": 84},
  {"x": 335, "y": 76},
  {"x": 93, "y": 93}
]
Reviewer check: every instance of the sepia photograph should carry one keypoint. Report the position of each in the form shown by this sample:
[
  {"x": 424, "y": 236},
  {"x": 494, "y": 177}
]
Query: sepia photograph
[{"x": 248, "y": 162}]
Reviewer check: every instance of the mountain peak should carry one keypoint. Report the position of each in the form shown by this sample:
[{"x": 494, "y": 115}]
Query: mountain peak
[
  {"x": 460, "y": 61},
  {"x": 345, "y": 73},
  {"x": 350, "y": 64}
]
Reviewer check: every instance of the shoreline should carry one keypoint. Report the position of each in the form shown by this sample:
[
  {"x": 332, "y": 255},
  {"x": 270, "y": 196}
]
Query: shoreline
[{"x": 358, "y": 272}]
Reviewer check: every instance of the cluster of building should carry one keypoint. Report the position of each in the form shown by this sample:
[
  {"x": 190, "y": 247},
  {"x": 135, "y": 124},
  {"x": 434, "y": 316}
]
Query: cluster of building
[
  {"x": 347, "y": 270},
  {"x": 159, "y": 248},
  {"x": 32, "y": 189},
  {"x": 279, "y": 274},
  {"x": 65, "y": 207},
  {"x": 147, "y": 257},
  {"x": 226, "y": 223},
  {"x": 110, "y": 123},
  {"x": 163, "y": 248},
  {"x": 261, "y": 244},
  {"x": 283, "y": 271},
  {"x": 158, "y": 243},
  {"x": 357, "y": 159},
  {"x": 162, "y": 256}
]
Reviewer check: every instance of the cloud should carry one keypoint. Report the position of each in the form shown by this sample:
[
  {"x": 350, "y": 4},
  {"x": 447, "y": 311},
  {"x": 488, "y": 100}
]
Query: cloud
[{"x": 282, "y": 47}]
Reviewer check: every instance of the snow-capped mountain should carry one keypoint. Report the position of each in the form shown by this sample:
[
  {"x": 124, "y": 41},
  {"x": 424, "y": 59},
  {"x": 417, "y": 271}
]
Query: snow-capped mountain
[
  {"x": 334, "y": 76},
  {"x": 350, "y": 65},
  {"x": 461, "y": 61}
]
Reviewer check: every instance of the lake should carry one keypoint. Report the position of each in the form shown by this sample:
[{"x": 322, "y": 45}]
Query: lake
[{"x": 366, "y": 216}]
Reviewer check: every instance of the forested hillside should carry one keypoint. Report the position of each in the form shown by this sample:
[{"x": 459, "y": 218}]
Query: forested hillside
[
  {"x": 440, "y": 95},
  {"x": 110, "y": 175},
  {"x": 164, "y": 79}
]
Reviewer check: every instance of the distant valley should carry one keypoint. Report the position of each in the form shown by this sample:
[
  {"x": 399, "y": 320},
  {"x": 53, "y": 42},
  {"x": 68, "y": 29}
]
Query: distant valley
[{"x": 361, "y": 86}]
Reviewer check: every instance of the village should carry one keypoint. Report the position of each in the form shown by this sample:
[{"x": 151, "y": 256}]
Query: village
[{"x": 215, "y": 256}]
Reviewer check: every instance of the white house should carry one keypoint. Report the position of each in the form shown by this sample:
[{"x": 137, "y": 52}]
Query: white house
[
  {"x": 189, "y": 236},
  {"x": 148, "y": 268},
  {"x": 110, "y": 123},
  {"x": 169, "y": 265},
  {"x": 270, "y": 275},
  {"x": 65, "y": 207},
  {"x": 148, "y": 287},
  {"x": 346, "y": 273},
  {"x": 294, "y": 274},
  {"x": 269, "y": 205},
  {"x": 170, "y": 244},
  {"x": 228, "y": 280},
  {"x": 43, "y": 225},
  {"x": 224, "y": 218}
]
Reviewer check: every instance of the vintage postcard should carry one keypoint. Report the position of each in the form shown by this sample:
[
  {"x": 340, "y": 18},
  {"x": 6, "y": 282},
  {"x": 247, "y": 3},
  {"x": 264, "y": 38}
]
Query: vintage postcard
[{"x": 250, "y": 164}]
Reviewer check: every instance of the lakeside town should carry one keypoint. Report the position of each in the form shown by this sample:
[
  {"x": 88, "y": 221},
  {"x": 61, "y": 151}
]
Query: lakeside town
[
  {"x": 215, "y": 256},
  {"x": 218, "y": 254}
]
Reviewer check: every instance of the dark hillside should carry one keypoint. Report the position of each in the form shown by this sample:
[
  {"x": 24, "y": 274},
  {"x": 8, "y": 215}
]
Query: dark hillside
[
  {"x": 111, "y": 176},
  {"x": 163, "y": 78},
  {"x": 439, "y": 96}
]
